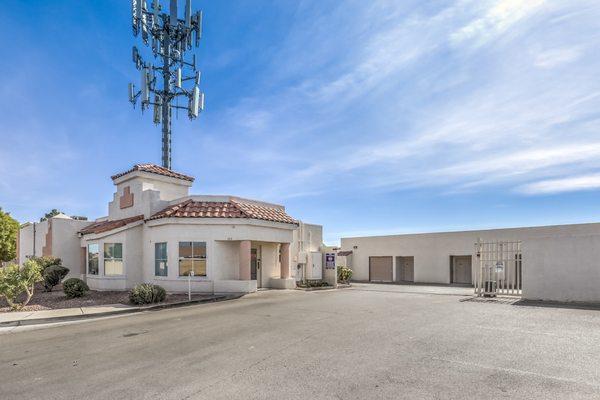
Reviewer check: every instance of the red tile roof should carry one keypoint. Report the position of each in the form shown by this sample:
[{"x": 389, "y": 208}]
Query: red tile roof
[
  {"x": 154, "y": 169},
  {"x": 105, "y": 226},
  {"x": 224, "y": 209}
]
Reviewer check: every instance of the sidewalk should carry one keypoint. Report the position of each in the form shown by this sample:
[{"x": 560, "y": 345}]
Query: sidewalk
[{"x": 69, "y": 314}]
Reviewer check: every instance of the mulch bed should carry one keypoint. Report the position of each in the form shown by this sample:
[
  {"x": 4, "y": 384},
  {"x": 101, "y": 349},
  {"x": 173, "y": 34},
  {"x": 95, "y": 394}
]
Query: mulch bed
[{"x": 56, "y": 299}]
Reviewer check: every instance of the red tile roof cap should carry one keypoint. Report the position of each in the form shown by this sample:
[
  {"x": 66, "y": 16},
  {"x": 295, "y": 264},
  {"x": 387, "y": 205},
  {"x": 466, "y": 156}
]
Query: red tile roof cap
[
  {"x": 105, "y": 226},
  {"x": 224, "y": 209},
  {"x": 154, "y": 169}
]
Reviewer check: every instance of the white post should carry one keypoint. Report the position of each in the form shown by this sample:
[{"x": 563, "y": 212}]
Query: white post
[{"x": 190, "y": 285}]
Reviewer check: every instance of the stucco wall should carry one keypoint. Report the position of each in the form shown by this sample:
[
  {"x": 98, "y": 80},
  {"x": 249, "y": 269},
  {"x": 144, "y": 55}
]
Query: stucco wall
[
  {"x": 562, "y": 268},
  {"x": 65, "y": 243},
  {"x": 270, "y": 267},
  {"x": 131, "y": 240},
  {"x": 222, "y": 249},
  {"x": 546, "y": 273},
  {"x": 307, "y": 238},
  {"x": 67, "y": 246}
]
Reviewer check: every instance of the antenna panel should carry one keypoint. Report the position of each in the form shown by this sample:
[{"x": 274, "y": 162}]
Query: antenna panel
[
  {"x": 156, "y": 9},
  {"x": 194, "y": 103},
  {"x": 188, "y": 13},
  {"x": 157, "y": 109},
  {"x": 134, "y": 17},
  {"x": 132, "y": 93},
  {"x": 145, "y": 86},
  {"x": 178, "y": 78},
  {"x": 173, "y": 13}
]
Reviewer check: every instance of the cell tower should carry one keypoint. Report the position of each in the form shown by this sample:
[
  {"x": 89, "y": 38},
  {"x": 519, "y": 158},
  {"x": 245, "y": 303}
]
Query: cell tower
[{"x": 162, "y": 82}]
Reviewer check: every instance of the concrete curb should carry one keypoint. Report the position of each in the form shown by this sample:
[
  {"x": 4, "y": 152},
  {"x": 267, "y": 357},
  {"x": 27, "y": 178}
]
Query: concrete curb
[
  {"x": 132, "y": 310},
  {"x": 311, "y": 289}
]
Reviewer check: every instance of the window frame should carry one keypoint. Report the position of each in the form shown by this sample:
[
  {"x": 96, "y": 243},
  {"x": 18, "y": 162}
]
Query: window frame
[
  {"x": 157, "y": 259},
  {"x": 113, "y": 258},
  {"x": 193, "y": 258},
  {"x": 89, "y": 259}
]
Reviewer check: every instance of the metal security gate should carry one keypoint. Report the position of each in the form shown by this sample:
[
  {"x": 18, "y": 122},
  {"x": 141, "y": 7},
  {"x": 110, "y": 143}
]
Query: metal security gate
[{"x": 500, "y": 268}]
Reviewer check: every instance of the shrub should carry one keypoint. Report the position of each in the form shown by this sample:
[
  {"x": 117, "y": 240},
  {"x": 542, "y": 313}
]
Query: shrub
[
  {"x": 74, "y": 287},
  {"x": 147, "y": 293},
  {"x": 344, "y": 274},
  {"x": 15, "y": 280},
  {"x": 53, "y": 275},
  {"x": 47, "y": 261}
]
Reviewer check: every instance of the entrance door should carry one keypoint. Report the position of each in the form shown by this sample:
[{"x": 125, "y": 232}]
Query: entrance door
[
  {"x": 461, "y": 270},
  {"x": 380, "y": 269},
  {"x": 405, "y": 269},
  {"x": 255, "y": 272}
]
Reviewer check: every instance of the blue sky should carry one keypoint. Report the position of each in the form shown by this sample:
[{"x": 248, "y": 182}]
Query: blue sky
[{"x": 369, "y": 117}]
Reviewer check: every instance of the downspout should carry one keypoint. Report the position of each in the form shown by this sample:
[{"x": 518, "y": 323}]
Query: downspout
[{"x": 34, "y": 239}]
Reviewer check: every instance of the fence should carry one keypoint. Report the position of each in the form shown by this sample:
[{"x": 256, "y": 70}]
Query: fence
[{"x": 500, "y": 268}]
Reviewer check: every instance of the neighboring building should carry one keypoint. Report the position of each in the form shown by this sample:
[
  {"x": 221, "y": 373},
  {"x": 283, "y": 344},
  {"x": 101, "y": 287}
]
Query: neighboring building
[
  {"x": 155, "y": 232},
  {"x": 56, "y": 236},
  {"x": 559, "y": 263}
]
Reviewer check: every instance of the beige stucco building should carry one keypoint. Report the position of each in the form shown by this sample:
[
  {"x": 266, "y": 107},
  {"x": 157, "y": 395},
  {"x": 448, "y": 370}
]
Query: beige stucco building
[
  {"x": 156, "y": 232},
  {"x": 559, "y": 263}
]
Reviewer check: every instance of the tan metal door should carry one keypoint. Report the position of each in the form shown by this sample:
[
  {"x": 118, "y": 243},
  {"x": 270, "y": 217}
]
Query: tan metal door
[
  {"x": 405, "y": 269},
  {"x": 380, "y": 269},
  {"x": 461, "y": 269}
]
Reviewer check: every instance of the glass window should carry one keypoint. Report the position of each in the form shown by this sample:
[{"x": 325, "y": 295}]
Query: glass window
[
  {"x": 192, "y": 257},
  {"x": 113, "y": 259},
  {"x": 160, "y": 259},
  {"x": 93, "y": 251}
]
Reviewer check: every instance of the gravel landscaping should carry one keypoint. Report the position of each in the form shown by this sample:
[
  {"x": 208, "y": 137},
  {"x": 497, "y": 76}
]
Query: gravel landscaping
[{"x": 56, "y": 299}]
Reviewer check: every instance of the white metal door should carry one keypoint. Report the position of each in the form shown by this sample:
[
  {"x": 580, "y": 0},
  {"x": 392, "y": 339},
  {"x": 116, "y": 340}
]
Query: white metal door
[{"x": 316, "y": 266}]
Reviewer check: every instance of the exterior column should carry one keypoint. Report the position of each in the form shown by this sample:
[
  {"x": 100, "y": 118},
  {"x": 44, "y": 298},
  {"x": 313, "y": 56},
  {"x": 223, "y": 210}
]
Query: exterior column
[
  {"x": 285, "y": 260},
  {"x": 245, "y": 248}
]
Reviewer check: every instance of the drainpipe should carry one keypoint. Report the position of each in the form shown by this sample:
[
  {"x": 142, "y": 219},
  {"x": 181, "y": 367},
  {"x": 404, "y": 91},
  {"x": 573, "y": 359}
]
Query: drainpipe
[{"x": 34, "y": 239}]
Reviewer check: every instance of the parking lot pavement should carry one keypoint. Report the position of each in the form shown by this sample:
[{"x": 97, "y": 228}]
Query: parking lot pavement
[
  {"x": 449, "y": 290},
  {"x": 359, "y": 343}
]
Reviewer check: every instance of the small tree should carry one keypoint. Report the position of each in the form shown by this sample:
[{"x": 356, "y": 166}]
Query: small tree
[
  {"x": 50, "y": 214},
  {"x": 15, "y": 280},
  {"x": 9, "y": 229}
]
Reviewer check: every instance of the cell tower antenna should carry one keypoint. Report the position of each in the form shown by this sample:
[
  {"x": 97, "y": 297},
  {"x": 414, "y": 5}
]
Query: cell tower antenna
[{"x": 169, "y": 37}]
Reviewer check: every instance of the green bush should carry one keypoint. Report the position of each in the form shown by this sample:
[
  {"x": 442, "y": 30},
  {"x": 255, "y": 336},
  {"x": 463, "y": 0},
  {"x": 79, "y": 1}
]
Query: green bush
[
  {"x": 147, "y": 293},
  {"x": 74, "y": 287},
  {"x": 47, "y": 261},
  {"x": 15, "y": 280},
  {"x": 53, "y": 275},
  {"x": 344, "y": 274}
]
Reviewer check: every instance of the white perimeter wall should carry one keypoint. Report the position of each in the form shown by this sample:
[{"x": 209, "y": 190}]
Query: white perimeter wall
[
  {"x": 560, "y": 263},
  {"x": 562, "y": 268}
]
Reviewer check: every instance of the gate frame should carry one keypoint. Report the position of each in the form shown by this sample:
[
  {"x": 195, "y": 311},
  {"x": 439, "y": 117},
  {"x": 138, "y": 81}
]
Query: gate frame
[{"x": 508, "y": 254}]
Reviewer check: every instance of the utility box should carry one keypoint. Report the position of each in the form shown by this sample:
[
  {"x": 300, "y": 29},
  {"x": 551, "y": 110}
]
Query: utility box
[{"x": 314, "y": 269}]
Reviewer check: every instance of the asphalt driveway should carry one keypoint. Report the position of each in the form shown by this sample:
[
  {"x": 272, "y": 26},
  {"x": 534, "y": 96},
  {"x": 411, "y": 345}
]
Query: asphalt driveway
[{"x": 367, "y": 342}]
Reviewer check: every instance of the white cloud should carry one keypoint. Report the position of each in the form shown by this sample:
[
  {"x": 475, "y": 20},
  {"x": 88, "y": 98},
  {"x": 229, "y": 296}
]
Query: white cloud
[
  {"x": 571, "y": 184},
  {"x": 391, "y": 103},
  {"x": 556, "y": 57},
  {"x": 501, "y": 16}
]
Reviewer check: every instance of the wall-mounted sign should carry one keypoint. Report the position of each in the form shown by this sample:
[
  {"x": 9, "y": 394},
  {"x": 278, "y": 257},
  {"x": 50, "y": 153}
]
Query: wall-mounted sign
[{"x": 329, "y": 260}]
